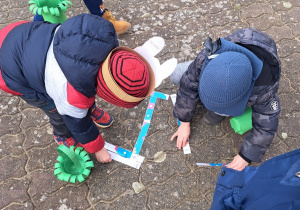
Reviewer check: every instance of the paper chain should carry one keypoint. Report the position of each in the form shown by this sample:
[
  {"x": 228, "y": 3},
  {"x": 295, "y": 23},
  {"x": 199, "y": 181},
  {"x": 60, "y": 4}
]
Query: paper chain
[
  {"x": 126, "y": 154},
  {"x": 140, "y": 140}
]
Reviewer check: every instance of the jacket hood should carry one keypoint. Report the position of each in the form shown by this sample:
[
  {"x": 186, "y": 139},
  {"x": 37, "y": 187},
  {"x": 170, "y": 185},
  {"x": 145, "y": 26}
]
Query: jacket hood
[{"x": 80, "y": 45}]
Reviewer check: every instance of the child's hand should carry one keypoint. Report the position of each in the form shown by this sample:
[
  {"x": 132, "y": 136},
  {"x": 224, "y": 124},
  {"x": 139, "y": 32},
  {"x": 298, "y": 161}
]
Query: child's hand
[
  {"x": 183, "y": 134},
  {"x": 103, "y": 156},
  {"x": 238, "y": 163}
]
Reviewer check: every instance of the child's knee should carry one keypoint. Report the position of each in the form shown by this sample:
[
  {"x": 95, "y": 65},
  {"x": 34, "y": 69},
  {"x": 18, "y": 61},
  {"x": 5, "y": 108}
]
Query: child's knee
[{"x": 179, "y": 71}]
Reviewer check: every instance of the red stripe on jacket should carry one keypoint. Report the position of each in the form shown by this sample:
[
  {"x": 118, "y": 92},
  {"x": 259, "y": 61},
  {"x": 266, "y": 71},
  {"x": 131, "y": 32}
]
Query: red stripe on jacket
[
  {"x": 77, "y": 99},
  {"x": 95, "y": 145}
]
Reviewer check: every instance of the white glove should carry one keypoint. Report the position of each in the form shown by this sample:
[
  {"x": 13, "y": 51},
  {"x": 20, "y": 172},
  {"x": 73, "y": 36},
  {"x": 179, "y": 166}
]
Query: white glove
[{"x": 151, "y": 48}]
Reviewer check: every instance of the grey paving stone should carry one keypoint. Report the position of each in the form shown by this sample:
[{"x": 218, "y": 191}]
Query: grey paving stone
[
  {"x": 33, "y": 117},
  {"x": 68, "y": 197},
  {"x": 256, "y": 10},
  {"x": 246, "y": 2},
  {"x": 179, "y": 188},
  {"x": 288, "y": 47},
  {"x": 112, "y": 185},
  {"x": 26, "y": 205},
  {"x": 11, "y": 145},
  {"x": 280, "y": 33},
  {"x": 9, "y": 105},
  {"x": 265, "y": 21},
  {"x": 12, "y": 167},
  {"x": 152, "y": 172},
  {"x": 13, "y": 190},
  {"x": 9, "y": 124},
  {"x": 222, "y": 18},
  {"x": 128, "y": 200},
  {"x": 42, "y": 157},
  {"x": 38, "y": 137},
  {"x": 19, "y": 4},
  {"x": 200, "y": 203},
  {"x": 19, "y": 14},
  {"x": 3, "y": 6},
  {"x": 43, "y": 182},
  {"x": 284, "y": 6},
  {"x": 294, "y": 28},
  {"x": 290, "y": 124},
  {"x": 291, "y": 16}
]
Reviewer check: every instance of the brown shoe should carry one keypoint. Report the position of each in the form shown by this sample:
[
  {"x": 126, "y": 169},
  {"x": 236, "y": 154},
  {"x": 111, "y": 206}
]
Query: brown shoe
[{"x": 121, "y": 26}]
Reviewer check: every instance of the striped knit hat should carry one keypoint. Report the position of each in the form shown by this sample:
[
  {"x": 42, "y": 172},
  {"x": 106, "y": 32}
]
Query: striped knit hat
[{"x": 125, "y": 78}]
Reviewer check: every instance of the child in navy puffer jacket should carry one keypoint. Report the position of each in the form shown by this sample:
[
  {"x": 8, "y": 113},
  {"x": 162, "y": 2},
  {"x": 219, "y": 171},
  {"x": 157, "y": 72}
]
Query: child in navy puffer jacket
[{"x": 61, "y": 68}]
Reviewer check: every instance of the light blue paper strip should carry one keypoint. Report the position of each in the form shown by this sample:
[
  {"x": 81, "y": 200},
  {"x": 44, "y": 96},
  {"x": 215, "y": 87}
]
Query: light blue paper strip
[
  {"x": 211, "y": 164},
  {"x": 140, "y": 140},
  {"x": 145, "y": 126},
  {"x": 123, "y": 152},
  {"x": 179, "y": 123},
  {"x": 160, "y": 95}
]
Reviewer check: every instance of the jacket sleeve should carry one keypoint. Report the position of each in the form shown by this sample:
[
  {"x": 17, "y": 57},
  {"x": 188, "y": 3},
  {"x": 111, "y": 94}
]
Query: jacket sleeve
[
  {"x": 187, "y": 94},
  {"x": 76, "y": 116},
  {"x": 85, "y": 131},
  {"x": 265, "y": 112}
]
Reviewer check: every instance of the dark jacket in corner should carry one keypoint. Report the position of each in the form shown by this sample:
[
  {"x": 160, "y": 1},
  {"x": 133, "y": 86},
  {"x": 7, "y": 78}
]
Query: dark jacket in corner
[{"x": 275, "y": 185}]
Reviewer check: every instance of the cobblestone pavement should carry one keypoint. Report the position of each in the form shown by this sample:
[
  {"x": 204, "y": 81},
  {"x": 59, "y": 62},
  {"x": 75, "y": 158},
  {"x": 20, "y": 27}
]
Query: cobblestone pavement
[{"x": 28, "y": 152}]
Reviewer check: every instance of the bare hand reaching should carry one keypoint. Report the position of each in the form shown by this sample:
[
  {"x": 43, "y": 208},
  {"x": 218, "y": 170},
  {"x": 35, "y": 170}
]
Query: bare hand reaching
[
  {"x": 182, "y": 134},
  {"x": 238, "y": 163},
  {"x": 103, "y": 156}
]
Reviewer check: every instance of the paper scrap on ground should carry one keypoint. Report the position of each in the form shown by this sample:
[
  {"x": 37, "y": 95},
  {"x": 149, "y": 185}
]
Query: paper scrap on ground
[
  {"x": 287, "y": 4},
  {"x": 186, "y": 149},
  {"x": 137, "y": 187},
  {"x": 160, "y": 157},
  {"x": 284, "y": 135}
]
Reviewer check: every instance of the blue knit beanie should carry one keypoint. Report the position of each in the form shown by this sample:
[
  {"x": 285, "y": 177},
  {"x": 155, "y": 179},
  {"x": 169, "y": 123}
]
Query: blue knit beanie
[{"x": 227, "y": 80}]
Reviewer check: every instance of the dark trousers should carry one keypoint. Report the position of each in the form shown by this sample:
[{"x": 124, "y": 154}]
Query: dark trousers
[
  {"x": 93, "y": 6},
  {"x": 56, "y": 120}
]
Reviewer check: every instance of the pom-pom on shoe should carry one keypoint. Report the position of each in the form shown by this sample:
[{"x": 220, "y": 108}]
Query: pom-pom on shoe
[{"x": 100, "y": 117}]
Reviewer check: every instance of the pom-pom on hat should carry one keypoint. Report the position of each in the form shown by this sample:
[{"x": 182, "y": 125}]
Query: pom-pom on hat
[{"x": 125, "y": 78}]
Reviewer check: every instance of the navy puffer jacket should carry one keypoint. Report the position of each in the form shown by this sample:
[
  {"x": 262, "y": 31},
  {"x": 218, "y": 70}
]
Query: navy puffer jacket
[
  {"x": 22, "y": 58},
  {"x": 80, "y": 44},
  {"x": 59, "y": 64}
]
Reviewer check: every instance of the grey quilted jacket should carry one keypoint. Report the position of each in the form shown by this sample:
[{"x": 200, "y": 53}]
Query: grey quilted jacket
[{"x": 263, "y": 100}]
